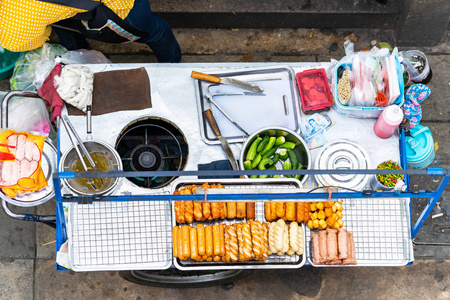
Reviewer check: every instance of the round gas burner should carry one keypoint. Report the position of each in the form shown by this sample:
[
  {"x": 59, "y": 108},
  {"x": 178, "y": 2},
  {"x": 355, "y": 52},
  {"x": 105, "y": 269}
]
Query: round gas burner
[
  {"x": 146, "y": 158},
  {"x": 152, "y": 144}
]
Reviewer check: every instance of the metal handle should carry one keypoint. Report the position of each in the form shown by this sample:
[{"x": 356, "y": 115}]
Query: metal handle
[
  {"x": 67, "y": 122},
  {"x": 89, "y": 120},
  {"x": 206, "y": 77},
  {"x": 212, "y": 121}
]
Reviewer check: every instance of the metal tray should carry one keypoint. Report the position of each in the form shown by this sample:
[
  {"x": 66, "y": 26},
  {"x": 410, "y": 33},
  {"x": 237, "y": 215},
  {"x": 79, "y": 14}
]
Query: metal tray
[
  {"x": 381, "y": 230},
  {"x": 276, "y": 81},
  {"x": 132, "y": 235},
  {"x": 273, "y": 261}
]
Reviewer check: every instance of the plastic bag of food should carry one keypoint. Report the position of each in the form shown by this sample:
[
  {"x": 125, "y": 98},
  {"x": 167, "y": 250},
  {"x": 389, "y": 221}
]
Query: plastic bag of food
[
  {"x": 20, "y": 162},
  {"x": 34, "y": 66},
  {"x": 83, "y": 56},
  {"x": 29, "y": 114}
]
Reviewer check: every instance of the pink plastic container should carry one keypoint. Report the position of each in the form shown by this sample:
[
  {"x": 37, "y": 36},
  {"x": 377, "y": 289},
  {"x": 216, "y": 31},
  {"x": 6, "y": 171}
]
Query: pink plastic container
[{"x": 388, "y": 121}]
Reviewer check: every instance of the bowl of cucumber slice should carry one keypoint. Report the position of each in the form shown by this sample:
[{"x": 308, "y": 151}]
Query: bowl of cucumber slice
[{"x": 275, "y": 148}]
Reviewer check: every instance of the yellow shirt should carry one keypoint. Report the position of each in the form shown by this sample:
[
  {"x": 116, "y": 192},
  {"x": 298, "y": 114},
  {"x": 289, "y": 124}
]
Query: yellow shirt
[{"x": 24, "y": 24}]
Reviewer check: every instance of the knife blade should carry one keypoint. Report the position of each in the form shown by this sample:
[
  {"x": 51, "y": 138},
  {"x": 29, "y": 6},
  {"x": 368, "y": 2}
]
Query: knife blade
[
  {"x": 212, "y": 121},
  {"x": 228, "y": 81}
]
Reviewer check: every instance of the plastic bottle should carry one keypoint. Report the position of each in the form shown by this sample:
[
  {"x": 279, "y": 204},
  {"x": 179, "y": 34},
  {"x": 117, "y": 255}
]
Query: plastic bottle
[{"x": 388, "y": 121}]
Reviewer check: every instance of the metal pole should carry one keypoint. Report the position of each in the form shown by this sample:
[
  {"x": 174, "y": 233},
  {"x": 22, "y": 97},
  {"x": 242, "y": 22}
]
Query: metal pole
[{"x": 426, "y": 212}]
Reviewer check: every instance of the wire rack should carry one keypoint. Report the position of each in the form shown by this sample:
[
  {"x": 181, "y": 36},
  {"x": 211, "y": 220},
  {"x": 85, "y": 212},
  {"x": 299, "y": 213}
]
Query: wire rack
[
  {"x": 381, "y": 230},
  {"x": 273, "y": 261},
  {"x": 120, "y": 235}
]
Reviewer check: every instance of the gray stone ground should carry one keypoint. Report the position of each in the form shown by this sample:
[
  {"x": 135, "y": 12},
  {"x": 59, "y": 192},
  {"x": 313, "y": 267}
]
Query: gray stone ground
[{"x": 27, "y": 266}]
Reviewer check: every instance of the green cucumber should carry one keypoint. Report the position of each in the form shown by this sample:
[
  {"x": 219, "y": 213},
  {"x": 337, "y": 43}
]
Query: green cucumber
[
  {"x": 263, "y": 143},
  {"x": 264, "y": 162},
  {"x": 270, "y": 152},
  {"x": 256, "y": 160},
  {"x": 280, "y": 140},
  {"x": 269, "y": 145},
  {"x": 275, "y": 158},
  {"x": 287, "y": 166},
  {"x": 288, "y": 145},
  {"x": 254, "y": 176},
  {"x": 271, "y": 132},
  {"x": 292, "y": 158},
  {"x": 277, "y": 176},
  {"x": 251, "y": 153},
  {"x": 283, "y": 154},
  {"x": 247, "y": 165},
  {"x": 269, "y": 168},
  {"x": 282, "y": 133},
  {"x": 299, "y": 167}
]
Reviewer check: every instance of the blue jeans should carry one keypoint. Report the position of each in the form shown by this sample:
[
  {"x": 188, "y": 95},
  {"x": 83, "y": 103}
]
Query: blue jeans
[{"x": 160, "y": 39}]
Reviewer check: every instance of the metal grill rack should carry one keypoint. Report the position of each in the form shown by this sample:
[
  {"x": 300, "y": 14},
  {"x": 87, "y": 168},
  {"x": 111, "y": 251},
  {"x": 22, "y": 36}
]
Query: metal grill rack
[
  {"x": 381, "y": 230},
  {"x": 120, "y": 235},
  {"x": 273, "y": 261}
]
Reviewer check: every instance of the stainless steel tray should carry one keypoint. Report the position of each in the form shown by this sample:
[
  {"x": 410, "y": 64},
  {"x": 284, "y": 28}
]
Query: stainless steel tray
[
  {"x": 250, "y": 112},
  {"x": 381, "y": 230},
  {"x": 132, "y": 235},
  {"x": 274, "y": 261}
]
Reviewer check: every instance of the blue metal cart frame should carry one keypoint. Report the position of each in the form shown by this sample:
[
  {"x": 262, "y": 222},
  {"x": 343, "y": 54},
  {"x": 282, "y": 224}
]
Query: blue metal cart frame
[{"x": 433, "y": 196}]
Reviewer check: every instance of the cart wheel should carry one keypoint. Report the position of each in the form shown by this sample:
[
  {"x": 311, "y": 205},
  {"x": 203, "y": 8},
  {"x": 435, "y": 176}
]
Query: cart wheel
[{"x": 173, "y": 278}]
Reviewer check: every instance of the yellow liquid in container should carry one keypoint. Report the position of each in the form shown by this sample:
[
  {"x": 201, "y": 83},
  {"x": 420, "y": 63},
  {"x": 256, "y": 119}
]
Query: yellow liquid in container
[{"x": 102, "y": 164}]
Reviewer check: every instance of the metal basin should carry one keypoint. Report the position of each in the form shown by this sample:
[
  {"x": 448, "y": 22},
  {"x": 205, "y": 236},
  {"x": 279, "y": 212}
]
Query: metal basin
[
  {"x": 301, "y": 149},
  {"x": 103, "y": 149}
]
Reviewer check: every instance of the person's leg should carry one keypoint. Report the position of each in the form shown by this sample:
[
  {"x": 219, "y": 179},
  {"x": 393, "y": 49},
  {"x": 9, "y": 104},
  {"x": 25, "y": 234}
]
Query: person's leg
[
  {"x": 71, "y": 40},
  {"x": 160, "y": 38}
]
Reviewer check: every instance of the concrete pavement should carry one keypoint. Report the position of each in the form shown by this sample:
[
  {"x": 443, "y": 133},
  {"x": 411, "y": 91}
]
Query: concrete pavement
[{"x": 27, "y": 266}]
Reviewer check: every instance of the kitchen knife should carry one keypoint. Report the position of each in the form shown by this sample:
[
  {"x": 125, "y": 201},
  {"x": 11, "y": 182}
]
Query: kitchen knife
[
  {"x": 227, "y": 80},
  {"x": 212, "y": 121}
]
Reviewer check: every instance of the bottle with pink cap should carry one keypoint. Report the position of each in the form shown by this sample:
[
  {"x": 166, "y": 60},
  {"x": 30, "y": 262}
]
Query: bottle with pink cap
[{"x": 388, "y": 121}]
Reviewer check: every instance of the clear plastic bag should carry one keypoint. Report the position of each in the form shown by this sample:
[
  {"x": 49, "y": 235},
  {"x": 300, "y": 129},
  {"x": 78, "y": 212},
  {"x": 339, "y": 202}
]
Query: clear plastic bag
[
  {"x": 83, "y": 57},
  {"x": 29, "y": 114},
  {"x": 34, "y": 66}
]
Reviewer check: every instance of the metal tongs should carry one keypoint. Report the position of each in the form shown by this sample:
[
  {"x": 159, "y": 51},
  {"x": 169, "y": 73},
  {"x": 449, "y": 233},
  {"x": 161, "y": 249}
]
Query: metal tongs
[
  {"x": 210, "y": 96},
  {"x": 72, "y": 133}
]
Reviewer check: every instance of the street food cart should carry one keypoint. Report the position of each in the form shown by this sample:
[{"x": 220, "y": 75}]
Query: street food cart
[{"x": 129, "y": 226}]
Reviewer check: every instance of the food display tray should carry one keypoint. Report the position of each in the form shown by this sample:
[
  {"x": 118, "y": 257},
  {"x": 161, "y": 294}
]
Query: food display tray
[
  {"x": 381, "y": 230},
  {"x": 132, "y": 235},
  {"x": 273, "y": 261},
  {"x": 277, "y": 106}
]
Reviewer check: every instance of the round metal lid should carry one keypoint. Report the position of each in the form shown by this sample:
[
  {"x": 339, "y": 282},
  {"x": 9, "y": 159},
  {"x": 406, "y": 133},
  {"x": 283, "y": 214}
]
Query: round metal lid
[{"x": 342, "y": 155}]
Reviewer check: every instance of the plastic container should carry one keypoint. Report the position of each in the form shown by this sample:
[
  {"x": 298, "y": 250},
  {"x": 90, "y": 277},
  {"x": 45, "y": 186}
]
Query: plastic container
[
  {"x": 420, "y": 150},
  {"x": 388, "y": 121},
  {"x": 377, "y": 186},
  {"x": 361, "y": 111},
  {"x": 314, "y": 90},
  {"x": 7, "y": 62},
  {"x": 416, "y": 63}
]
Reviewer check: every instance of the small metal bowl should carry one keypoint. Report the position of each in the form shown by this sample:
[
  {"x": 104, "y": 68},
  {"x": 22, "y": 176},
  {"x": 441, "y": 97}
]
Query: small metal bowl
[
  {"x": 301, "y": 149},
  {"x": 70, "y": 157}
]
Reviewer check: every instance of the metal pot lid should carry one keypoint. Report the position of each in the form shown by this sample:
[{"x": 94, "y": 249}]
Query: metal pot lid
[
  {"x": 48, "y": 165},
  {"x": 342, "y": 155}
]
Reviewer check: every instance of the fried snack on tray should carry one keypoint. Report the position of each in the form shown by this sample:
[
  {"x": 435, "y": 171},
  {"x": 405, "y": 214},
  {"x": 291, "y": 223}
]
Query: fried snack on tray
[
  {"x": 219, "y": 242},
  {"x": 284, "y": 239},
  {"x": 333, "y": 247},
  {"x": 288, "y": 211},
  {"x": 188, "y": 211}
]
